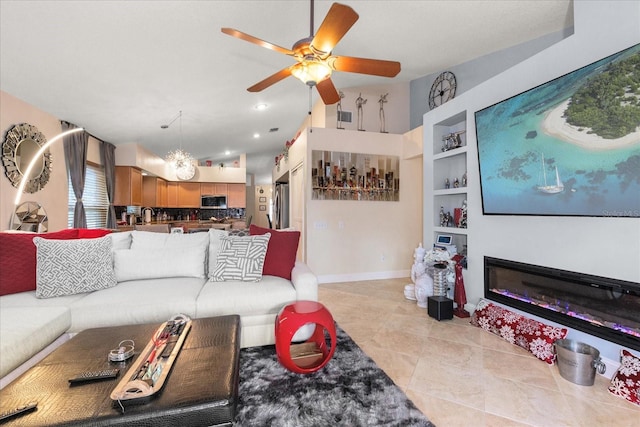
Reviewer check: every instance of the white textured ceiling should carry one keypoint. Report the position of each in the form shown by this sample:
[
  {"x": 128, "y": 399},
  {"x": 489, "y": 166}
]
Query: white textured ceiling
[{"x": 121, "y": 69}]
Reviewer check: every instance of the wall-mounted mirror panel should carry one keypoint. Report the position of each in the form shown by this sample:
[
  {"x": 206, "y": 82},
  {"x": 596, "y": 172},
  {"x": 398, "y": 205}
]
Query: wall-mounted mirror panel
[
  {"x": 354, "y": 176},
  {"x": 30, "y": 216},
  {"x": 21, "y": 143}
]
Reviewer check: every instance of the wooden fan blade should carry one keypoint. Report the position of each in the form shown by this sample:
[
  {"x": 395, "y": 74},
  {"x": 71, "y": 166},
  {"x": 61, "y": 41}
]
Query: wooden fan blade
[
  {"x": 375, "y": 67},
  {"x": 246, "y": 37},
  {"x": 272, "y": 79},
  {"x": 328, "y": 92},
  {"x": 335, "y": 25}
]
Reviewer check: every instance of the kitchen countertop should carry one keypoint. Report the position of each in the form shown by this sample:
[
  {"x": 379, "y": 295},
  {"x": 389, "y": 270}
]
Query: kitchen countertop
[{"x": 188, "y": 224}]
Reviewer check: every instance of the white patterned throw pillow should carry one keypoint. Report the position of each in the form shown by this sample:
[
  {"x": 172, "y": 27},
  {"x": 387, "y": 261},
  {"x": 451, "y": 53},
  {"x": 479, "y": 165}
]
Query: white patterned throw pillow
[
  {"x": 241, "y": 258},
  {"x": 67, "y": 267}
]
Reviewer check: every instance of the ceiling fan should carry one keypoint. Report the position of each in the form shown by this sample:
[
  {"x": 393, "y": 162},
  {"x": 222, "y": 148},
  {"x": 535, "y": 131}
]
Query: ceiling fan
[{"x": 315, "y": 62}]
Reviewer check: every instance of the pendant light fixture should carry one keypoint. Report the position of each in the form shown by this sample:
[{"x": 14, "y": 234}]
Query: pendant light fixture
[{"x": 182, "y": 162}]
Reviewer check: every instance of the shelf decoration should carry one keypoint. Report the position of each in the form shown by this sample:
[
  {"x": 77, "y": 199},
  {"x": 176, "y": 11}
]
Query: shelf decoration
[
  {"x": 339, "y": 111},
  {"x": 382, "y": 101},
  {"x": 360, "y": 102},
  {"x": 285, "y": 151},
  {"x": 452, "y": 140}
]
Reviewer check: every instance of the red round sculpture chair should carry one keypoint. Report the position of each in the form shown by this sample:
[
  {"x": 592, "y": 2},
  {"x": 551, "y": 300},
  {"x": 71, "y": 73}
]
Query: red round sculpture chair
[{"x": 313, "y": 353}]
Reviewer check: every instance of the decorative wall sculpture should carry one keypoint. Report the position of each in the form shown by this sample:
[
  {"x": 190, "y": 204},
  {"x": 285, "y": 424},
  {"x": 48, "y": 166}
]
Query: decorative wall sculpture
[{"x": 20, "y": 144}]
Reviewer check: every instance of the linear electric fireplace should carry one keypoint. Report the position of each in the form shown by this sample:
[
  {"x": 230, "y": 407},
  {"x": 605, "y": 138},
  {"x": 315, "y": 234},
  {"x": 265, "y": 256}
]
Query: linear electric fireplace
[{"x": 600, "y": 306}]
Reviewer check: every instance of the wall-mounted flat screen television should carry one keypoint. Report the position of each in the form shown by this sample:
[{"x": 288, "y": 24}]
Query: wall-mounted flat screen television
[{"x": 569, "y": 147}]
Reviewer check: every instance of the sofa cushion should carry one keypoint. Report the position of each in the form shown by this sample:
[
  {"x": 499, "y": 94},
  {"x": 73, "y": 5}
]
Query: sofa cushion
[
  {"x": 245, "y": 298},
  {"x": 67, "y": 267},
  {"x": 136, "y": 302},
  {"x": 241, "y": 258},
  {"x": 18, "y": 259},
  {"x": 27, "y": 330},
  {"x": 29, "y": 300},
  {"x": 281, "y": 252},
  {"x": 152, "y": 241},
  {"x": 138, "y": 264},
  {"x": 121, "y": 240}
]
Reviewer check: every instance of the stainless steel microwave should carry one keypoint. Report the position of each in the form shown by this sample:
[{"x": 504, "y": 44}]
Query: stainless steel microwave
[{"x": 213, "y": 202}]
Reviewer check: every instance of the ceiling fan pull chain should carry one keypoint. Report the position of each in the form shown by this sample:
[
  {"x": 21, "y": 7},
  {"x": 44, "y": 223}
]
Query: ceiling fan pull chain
[{"x": 310, "y": 109}]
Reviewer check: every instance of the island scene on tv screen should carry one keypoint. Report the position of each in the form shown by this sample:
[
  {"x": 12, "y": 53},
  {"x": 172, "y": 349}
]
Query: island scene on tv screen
[{"x": 568, "y": 147}]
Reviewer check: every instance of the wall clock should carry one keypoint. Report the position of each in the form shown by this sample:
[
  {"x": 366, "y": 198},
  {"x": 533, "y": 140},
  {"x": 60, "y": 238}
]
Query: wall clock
[{"x": 442, "y": 90}]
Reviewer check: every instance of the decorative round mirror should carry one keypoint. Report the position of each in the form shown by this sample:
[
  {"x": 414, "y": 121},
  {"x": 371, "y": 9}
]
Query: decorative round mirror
[
  {"x": 20, "y": 144},
  {"x": 30, "y": 216}
]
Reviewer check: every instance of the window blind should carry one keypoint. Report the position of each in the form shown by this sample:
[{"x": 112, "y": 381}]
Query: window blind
[{"x": 94, "y": 198}]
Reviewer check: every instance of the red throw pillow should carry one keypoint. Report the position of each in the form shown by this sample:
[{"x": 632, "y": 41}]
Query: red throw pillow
[
  {"x": 626, "y": 382},
  {"x": 18, "y": 259},
  {"x": 281, "y": 252},
  {"x": 92, "y": 233},
  {"x": 534, "y": 336}
]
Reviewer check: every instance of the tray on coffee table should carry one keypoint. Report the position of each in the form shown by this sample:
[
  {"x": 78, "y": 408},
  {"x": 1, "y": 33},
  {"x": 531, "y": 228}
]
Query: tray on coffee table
[{"x": 147, "y": 376}]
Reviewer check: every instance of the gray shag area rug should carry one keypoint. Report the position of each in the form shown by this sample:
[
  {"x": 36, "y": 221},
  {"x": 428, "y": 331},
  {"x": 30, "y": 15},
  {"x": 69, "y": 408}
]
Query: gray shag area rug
[{"x": 350, "y": 390}]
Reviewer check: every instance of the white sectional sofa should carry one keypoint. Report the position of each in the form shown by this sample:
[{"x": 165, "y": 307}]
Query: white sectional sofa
[{"x": 153, "y": 277}]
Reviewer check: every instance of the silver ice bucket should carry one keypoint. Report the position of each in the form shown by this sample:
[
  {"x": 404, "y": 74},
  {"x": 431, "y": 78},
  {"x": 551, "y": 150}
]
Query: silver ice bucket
[{"x": 578, "y": 362}]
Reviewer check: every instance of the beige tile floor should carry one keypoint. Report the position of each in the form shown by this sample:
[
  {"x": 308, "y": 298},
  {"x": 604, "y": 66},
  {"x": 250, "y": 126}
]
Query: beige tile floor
[{"x": 460, "y": 375}]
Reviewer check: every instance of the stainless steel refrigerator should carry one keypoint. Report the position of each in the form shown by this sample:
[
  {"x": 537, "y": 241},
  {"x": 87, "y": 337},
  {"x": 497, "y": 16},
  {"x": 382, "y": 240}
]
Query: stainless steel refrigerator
[{"x": 281, "y": 204}]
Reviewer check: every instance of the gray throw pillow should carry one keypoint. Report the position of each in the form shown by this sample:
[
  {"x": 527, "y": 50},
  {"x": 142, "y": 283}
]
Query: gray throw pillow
[
  {"x": 241, "y": 258},
  {"x": 67, "y": 267}
]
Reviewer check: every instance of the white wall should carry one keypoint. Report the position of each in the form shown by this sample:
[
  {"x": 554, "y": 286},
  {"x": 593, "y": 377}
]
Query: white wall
[
  {"x": 358, "y": 240},
  {"x": 54, "y": 196},
  {"x": 476, "y": 71},
  {"x": 396, "y": 109},
  {"x": 607, "y": 247}
]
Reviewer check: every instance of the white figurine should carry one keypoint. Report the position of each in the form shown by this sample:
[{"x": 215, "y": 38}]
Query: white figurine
[{"x": 423, "y": 282}]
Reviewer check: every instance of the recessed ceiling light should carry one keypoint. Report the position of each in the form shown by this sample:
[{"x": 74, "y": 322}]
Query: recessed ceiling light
[
  {"x": 226, "y": 153},
  {"x": 260, "y": 107},
  {"x": 256, "y": 135}
]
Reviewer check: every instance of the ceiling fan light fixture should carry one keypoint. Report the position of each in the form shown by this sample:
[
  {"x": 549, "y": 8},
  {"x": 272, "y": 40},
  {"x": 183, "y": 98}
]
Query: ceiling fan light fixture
[{"x": 311, "y": 71}]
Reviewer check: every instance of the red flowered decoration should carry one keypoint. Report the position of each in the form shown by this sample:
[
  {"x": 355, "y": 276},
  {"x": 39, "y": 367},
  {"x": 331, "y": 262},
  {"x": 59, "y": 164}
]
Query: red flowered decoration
[
  {"x": 534, "y": 336},
  {"x": 626, "y": 382}
]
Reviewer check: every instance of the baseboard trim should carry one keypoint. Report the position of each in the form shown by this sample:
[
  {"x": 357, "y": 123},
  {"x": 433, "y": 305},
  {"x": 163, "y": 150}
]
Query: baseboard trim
[{"x": 358, "y": 277}]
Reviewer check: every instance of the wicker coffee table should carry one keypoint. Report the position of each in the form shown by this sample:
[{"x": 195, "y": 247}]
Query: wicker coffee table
[{"x": 201, "y": 390}]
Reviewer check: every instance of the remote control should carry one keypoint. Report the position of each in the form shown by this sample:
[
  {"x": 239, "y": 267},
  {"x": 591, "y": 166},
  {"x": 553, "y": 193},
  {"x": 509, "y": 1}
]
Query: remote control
[
  {"x": 95, "y": 376},
  {"x": 18, "y": 411}
]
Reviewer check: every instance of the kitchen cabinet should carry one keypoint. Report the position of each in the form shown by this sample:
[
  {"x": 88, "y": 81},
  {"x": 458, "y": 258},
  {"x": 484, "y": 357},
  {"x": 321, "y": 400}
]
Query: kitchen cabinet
[
  {"x": 206, "y": 188},
  {"x": 189, "y": 195},
  {"x": 172, "y": 195},
  {"x": 128, "y": 191},
  {"x": 213, "y": 189},
  {"x": 236, "y": 195},
  {"x": 154, "y": 191}
]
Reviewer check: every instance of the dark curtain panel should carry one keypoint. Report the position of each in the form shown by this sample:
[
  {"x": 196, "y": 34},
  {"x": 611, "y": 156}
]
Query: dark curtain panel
[
  {"x": 75, "y": 154},
  {"x": 108, "y": 158}
]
